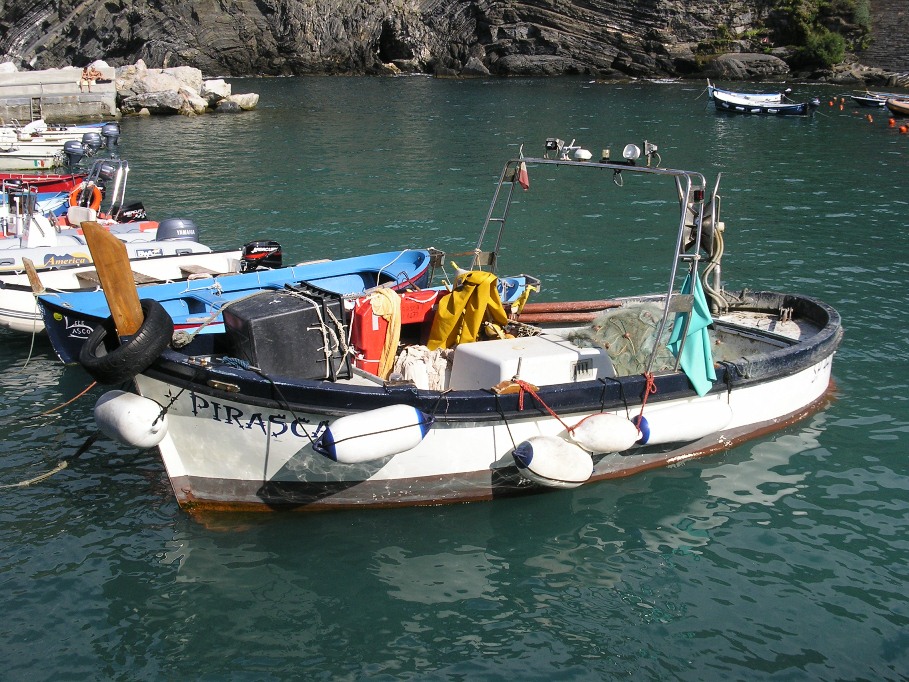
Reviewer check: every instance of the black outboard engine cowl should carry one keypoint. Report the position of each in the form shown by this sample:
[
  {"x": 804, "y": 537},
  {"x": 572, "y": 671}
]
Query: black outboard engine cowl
[
  {"x": 133, "y": 212},
  {"x": 91, "y": 141},
  {"x": 259, "y": 255},
  {"x": 177, "y": 229},
  {"x": 74, "y": 152}
]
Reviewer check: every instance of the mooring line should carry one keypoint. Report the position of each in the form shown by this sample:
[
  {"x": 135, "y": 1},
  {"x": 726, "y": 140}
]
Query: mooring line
[{"x": 61, "y": 465}]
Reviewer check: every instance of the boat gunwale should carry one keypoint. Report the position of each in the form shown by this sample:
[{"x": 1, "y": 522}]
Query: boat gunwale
[{"x": 602, "y": 394}]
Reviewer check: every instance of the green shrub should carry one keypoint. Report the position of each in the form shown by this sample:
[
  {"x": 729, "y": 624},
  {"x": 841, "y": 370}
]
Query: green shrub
[{"x": 822, "y": 48}]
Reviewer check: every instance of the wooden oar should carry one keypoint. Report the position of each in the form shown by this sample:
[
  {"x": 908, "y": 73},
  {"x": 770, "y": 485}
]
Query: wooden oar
[
  {"x": 32, "y": 273},
  {"x": 112, "y": 263}
]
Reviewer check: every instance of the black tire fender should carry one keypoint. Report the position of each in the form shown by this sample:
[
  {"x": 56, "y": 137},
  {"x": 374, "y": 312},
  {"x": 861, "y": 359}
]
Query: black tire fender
[{"x": 109, "y": 361}]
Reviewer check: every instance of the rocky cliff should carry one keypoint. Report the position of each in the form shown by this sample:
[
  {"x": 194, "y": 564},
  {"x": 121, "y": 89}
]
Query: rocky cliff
[{"x": 600, "y": 38}]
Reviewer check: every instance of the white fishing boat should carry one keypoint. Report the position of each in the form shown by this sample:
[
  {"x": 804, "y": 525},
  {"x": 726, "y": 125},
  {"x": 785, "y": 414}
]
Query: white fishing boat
[
  {"x": 772, "y": 104},
  {"x": 20, "y": 156},
  {"x": 39, "y": 128},
  {"x": 747, "y": 97},
  {"x": 35, "y": 146},
  {"x": 315, "y": 401}
]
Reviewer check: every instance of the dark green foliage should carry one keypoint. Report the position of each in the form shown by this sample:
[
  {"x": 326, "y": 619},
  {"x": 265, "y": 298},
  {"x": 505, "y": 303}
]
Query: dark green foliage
[
  {"x": 822, "y": 30},
  {"x": 822, "y": 48}
]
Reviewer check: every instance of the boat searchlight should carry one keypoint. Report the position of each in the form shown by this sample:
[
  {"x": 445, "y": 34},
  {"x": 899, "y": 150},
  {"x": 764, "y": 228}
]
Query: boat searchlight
[{"x": 631, "y": 152}]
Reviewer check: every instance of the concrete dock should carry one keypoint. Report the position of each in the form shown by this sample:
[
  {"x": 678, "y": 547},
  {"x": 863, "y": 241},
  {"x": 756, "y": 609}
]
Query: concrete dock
[{"x": 54, "y": 95}]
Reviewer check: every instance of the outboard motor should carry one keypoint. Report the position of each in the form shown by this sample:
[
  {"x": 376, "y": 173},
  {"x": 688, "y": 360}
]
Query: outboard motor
[
  {"x": 177, "y": 229},
  {"x": 74, "y": 152},
  {"x": 111, "y": 134},
  {"x": 91, "y": 142},
  {"x": 107, "y": 171},
  {"x": 260, "y": 255},
  {"x": 134, "y": 212}
]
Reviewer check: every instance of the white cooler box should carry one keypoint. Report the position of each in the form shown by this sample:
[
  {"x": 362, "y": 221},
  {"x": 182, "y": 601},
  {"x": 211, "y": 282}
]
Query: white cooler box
[{"x": 545, "y": 359}]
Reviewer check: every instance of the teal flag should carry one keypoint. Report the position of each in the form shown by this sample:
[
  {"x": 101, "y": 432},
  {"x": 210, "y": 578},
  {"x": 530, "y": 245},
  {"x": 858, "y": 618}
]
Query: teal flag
[{"x": 697, "y": 357}]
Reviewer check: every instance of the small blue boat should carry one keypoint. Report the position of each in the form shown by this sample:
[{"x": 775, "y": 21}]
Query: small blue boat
[{"x": 195, "y": 305}]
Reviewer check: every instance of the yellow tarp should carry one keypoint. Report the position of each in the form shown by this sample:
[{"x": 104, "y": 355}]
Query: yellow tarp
[
  {"x": 461, "y": 314},
  {"x": 387, "y": 304}
]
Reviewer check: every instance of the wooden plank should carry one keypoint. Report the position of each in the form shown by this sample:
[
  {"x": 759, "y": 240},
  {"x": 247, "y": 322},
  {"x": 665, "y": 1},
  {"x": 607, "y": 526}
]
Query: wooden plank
[
  {"x": 89, "y": 277},
  {"x": 190, "y": 269},
  {"x": 32, "y": 274},
  {"x": 139, "y": 278},
  {"x": 112, "y": 264}
]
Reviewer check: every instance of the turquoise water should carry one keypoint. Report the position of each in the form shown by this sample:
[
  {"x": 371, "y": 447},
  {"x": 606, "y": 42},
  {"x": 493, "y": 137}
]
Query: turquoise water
[{"x": 784, "y": 558}]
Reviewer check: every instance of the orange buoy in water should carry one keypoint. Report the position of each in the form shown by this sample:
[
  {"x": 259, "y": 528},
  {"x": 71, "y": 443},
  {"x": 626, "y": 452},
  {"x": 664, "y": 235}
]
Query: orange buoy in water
[
  {"x": 831, "y": 102},
  {"x": 892, "y": 122},
  {"x": 870, "y": 119},
  {"x": 904, "y": 129}
]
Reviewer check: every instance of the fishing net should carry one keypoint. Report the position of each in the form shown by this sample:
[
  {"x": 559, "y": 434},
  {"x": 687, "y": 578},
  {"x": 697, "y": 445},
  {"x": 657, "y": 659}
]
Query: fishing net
[{"x": 628, "y": 334}]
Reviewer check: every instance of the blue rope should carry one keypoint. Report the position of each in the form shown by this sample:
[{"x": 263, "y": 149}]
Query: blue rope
[{"x": 235, "y": 362}]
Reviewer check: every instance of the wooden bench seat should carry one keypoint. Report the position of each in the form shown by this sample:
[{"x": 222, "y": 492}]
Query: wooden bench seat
[
  {"x": 188, "y": 270},
  {"x": 139, "y": 278},
  {"x": 91, "y": 277}
]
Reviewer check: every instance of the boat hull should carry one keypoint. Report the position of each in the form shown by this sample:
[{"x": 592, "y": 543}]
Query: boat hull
[
  {"x": 255, "y": 452},
  {"x": 800, "y": 109},
  {"x": 39, "y": 160},
  {"x": 46, "y": 183},
  {"x": 869, "y": 101},
  {"x": 900, "y": 107}
]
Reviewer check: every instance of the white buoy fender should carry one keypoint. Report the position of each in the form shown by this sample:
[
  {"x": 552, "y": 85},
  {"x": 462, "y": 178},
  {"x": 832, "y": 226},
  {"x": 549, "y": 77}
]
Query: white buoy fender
[
  {"x": 682, "y": 423},
  {"x": 604, "y": 433},
  {"x": 130, "y": 419},
  {"x": 374, "y": 434},
  {"x": 553, "y": 462}
]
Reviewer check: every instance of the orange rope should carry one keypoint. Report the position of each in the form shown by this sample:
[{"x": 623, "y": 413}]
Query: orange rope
[
  {"x": 649, "y": 387},
  {"x": 527, "y": 387},
  {"x": 71, "y": 400}
]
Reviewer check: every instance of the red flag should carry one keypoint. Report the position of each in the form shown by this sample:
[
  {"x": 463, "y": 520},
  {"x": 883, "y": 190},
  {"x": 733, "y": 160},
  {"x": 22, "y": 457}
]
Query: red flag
[{"x": 523, "y": 178}]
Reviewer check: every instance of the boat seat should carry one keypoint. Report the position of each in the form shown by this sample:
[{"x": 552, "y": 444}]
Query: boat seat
[
  {"x": 188, "y": 270},
  {"x": 76, "y": 215},
  {"x": 140, "y": 278},
  {"x": 91, "y": 277}
]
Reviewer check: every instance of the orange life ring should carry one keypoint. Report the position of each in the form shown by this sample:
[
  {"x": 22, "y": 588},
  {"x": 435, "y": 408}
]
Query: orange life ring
[{"x": 78, "y": 196}]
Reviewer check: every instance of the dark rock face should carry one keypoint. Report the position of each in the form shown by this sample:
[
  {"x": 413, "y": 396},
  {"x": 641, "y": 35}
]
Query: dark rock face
[
  {"x": 275, "y": 37},
  {"x": 600, "y": 38}
]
